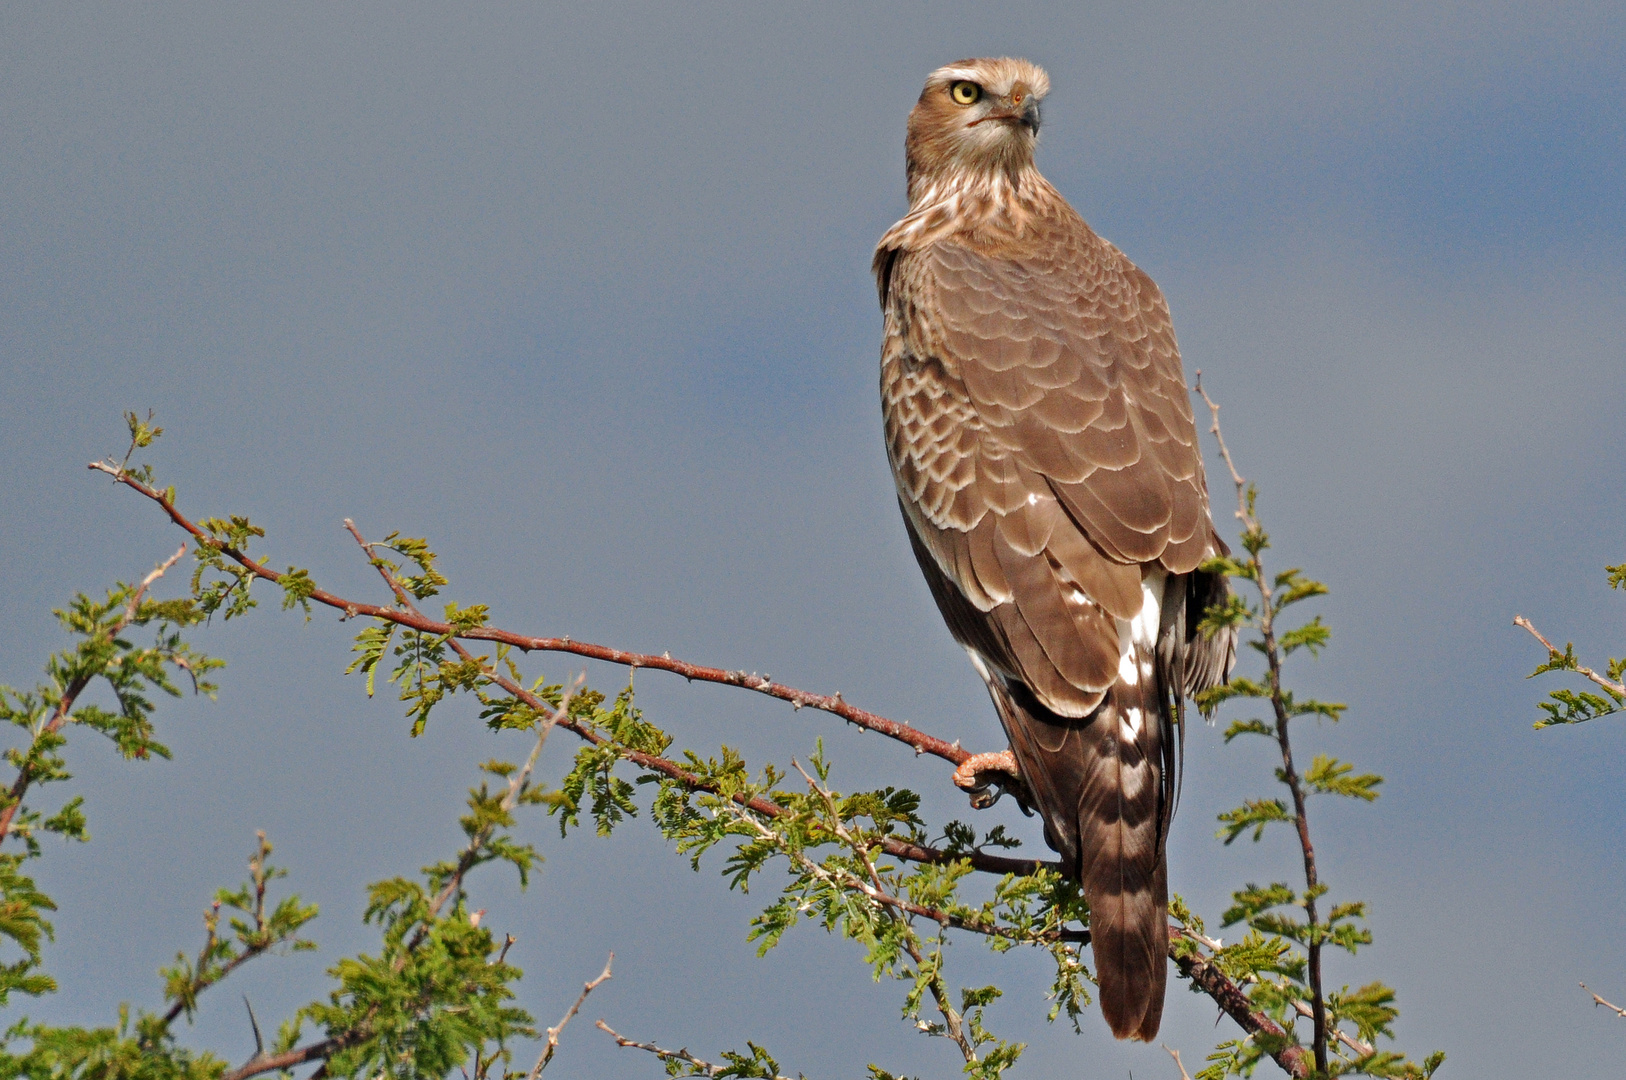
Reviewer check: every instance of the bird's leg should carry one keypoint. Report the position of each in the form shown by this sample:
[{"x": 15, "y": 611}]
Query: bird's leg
[{"x": 982, "y": 776}]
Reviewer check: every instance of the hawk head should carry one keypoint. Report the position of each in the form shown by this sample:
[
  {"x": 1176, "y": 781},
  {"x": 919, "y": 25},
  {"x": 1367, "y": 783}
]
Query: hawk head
[{"x": 976, "y": 117}]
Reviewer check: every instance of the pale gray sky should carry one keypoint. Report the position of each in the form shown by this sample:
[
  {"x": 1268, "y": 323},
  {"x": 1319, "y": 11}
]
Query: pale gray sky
[{"x": 582, "y": 294}]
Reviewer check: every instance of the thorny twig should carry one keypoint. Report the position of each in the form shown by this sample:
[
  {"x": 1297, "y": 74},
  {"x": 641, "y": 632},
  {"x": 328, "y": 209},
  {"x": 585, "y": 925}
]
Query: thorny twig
[
  {"x": 317, "y": 1051},
  {"x": 682, "y": 1056},
  {"x": 1289, "y": 774},
  {"x": 921, "y": 742},
  {"x": 203, "y": 978},
  {"x": 71, "y": 692},
  {"x": 1597, "y": 1001},
  {"x": 1610, "y": 685},
  {"x": 553, "y": 1032}
]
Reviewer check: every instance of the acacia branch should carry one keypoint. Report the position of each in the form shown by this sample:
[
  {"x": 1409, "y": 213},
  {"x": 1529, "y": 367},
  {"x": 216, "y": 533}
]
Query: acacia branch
[
  {"x": 70, "y": 694},
  {"x": 1209, "y": 979},
  {"x": 921, "y": 742},
  {"x": 1296, "y": 1061},
  {"x": 1289, "y": 774},
  {"x": 681, "y": 1056},
  {"x": 203, "y": 977},
  {"x": 416, "y": 620},
  {"x": 1554, "y": 654}
]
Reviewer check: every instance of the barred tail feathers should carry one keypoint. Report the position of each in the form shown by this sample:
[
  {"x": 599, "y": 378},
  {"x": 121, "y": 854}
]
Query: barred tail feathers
[{"x": 1104, "y": 786}]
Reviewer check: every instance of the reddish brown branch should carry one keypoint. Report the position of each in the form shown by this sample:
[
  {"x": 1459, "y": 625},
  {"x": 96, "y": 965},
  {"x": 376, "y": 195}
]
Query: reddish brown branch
[
  {"x": 316, "y": 1051},
  {"x": 1212, "y": 982},
  {"x": 410, "y": 617},
  {"x": 830, "y": 703},
  {"x": 70, "y": 694},
  {"x": 1295, "y": 1060}
]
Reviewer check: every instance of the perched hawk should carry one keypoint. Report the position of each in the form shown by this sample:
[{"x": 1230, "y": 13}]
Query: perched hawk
[{"x": 1041, "y": 435}]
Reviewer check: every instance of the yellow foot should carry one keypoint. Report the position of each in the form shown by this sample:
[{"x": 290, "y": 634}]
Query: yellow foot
[{"x": 979, "y": 774}]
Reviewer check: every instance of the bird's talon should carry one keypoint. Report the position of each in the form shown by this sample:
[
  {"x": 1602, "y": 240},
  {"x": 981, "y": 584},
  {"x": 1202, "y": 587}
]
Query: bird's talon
[{"x": 981, "y": 775}]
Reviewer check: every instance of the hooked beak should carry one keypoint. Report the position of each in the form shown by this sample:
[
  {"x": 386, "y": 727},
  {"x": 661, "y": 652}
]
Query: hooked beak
[
  {"x": 1030, "y": 115},
  {"x": 1019, "y": 108}
]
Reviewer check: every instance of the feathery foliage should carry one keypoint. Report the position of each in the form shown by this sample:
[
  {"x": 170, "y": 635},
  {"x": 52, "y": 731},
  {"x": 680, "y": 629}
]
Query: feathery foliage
[
  {"x": 1279, "y": 958},
  {"x": 438, "y": 995}
]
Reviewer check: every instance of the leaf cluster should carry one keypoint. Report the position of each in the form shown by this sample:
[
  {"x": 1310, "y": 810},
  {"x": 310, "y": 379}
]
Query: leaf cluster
[
  {"x": 103, "y": 652},
  {"x": 437, "y": 994},
  {"x": 1567, "y": 706}
]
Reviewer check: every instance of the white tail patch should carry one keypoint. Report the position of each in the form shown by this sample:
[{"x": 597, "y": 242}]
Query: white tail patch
[
  {"x": 1127, "y": 672},
  {"x": 1139, "y": 635}
]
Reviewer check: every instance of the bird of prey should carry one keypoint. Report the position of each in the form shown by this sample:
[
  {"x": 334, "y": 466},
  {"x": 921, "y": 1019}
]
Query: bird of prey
[{"x": 1041, "y": 435}]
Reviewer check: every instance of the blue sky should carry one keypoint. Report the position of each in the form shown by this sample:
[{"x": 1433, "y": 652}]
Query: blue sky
[{"x": 582, "y": 294}]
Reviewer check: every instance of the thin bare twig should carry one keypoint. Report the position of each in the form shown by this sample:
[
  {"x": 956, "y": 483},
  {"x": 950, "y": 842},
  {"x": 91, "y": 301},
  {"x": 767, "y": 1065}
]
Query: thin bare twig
[
  {"x": 1597, "y": 1001},
  {"x": 1618, "y": 689},
  {"x": 70, "y": 693},
  {"x": 706, "y": 1068},
  {"x": 1242, "y": 514},
  {"x": 1177, "y": 1062},
  {"x": 553, "y": 1032}
]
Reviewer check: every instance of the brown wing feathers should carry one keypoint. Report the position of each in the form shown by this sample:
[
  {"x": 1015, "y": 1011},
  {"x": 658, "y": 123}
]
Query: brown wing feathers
[{"x": 1043, "y": 465}]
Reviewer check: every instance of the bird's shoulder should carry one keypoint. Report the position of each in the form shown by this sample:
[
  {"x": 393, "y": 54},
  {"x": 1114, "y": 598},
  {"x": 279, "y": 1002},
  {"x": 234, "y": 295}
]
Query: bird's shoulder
[{"x": 1049, "y": 353}]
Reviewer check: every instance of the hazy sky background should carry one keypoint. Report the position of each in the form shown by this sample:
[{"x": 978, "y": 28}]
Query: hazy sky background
[{"x": 583, "y": 296}]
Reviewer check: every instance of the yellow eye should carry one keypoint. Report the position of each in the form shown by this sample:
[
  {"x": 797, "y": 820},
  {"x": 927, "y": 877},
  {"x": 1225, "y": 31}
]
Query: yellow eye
[{"x": 965, "y": 93}]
